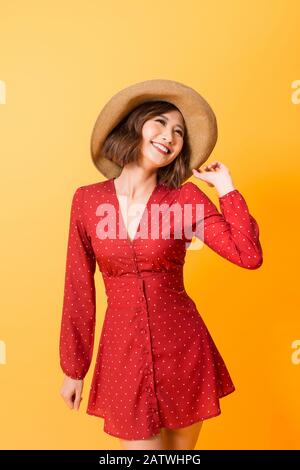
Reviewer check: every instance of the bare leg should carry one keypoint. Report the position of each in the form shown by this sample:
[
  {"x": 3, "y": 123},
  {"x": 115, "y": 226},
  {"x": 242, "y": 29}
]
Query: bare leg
[
  {"x": 153, "y": 443},
  {"x": 182, "y": 438}
]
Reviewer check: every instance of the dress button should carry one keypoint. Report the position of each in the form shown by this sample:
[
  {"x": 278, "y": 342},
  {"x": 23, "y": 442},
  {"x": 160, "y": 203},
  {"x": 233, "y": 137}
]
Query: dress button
[{"x": 143, "y": 330}]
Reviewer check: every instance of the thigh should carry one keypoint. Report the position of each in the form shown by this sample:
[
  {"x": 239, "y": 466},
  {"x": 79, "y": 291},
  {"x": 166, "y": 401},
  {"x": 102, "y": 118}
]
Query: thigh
[
  {"x": 182, "y": 438},
  {"x": 152, "y": 443}
]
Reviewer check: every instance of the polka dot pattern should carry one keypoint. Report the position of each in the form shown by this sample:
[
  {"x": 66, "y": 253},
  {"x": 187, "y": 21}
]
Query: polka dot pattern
[
  {"x": 157, "y": 364},
  {"x": 233, "y": 234}
]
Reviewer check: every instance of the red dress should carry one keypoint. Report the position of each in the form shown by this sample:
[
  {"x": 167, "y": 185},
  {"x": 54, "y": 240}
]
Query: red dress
[{"x": 157, "y": 364}]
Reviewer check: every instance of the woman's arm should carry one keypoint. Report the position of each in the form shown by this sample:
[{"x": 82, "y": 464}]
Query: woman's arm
[
  {"x": 79, "y": 306},
  {"x": 233, "y": 233}
]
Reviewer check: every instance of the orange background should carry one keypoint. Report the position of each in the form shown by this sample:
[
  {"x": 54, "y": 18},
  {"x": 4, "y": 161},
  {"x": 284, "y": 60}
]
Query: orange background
[{"x": 60, "y": 63}]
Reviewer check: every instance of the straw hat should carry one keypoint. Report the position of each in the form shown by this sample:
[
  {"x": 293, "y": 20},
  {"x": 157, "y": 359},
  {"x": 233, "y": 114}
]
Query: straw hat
[{"x": 199, "y": 118}]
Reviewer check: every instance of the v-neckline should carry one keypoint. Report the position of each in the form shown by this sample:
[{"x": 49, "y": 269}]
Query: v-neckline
[{"x": 120, "y": 210}]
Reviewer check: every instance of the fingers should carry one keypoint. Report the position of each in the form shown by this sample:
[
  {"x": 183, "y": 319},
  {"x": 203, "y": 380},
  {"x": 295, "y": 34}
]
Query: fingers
[
  {"x": 212, "y": 166},
  {"x": 198, "y": 173},
  {"x": 215, "y": 167},
  {"x": 68, "y": 397},
  {"x": 71, "y": 392},
  {"x": 77, "y": 400},
  {"x": 73, "y": 402},
  {"x": 69, "y": 400}
]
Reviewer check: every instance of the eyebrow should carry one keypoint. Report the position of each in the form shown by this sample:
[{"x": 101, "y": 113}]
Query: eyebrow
[{"x": 162, "y": 115}]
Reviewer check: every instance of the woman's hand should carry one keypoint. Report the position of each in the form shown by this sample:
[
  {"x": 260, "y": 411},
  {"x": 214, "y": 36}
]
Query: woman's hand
[
  {"x": 71, "y": 390},
  {"x": 216, "y": 174}
]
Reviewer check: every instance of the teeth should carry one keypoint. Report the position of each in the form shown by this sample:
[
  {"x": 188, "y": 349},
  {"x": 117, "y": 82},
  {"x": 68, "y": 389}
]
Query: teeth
[{"x": 164, "y": 149}]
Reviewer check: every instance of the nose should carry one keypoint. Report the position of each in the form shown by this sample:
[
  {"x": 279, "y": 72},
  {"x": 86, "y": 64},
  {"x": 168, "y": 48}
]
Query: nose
[{"x": 168, "y": 138}]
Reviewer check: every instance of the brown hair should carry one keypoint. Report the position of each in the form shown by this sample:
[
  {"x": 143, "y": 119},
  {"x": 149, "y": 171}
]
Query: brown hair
[{"x": 122, "y": 145}]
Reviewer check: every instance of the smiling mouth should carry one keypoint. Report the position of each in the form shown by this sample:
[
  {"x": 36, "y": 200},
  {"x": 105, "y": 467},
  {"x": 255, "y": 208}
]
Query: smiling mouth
[{"x": 167, "y": 152}]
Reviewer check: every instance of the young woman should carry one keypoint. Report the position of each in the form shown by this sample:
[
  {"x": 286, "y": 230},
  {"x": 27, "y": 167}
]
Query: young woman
[{"x": 158, "y": 373}]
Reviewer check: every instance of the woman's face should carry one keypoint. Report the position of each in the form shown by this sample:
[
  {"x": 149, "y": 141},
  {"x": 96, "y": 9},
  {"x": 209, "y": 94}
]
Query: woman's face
[{"x": 166, "y": 129}]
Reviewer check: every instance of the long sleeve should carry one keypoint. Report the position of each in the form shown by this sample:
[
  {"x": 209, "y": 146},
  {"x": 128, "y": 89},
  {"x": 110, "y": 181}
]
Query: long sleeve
[
  {"x": 233, "y": 233},
  {"x": 79, "y": 305}
]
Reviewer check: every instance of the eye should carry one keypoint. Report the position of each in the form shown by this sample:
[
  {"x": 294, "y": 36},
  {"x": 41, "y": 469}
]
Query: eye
[{"x": 178, "y": 130}]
